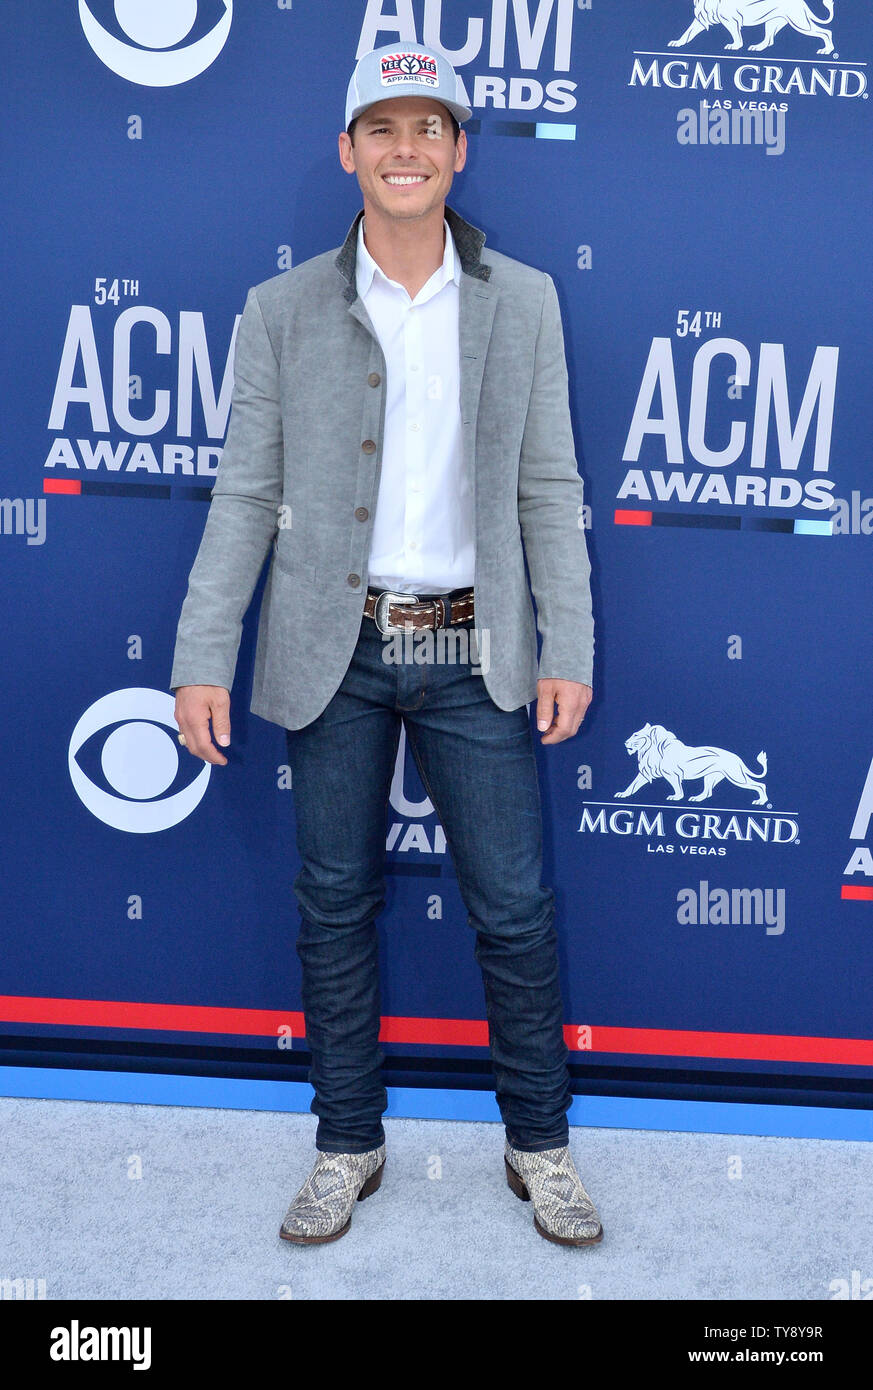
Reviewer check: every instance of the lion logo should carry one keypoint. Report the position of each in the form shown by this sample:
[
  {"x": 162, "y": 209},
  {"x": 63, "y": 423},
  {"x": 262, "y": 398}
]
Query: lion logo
[
  {"x": 773, "y": 14},
  {"x": 662, "y": 754}
]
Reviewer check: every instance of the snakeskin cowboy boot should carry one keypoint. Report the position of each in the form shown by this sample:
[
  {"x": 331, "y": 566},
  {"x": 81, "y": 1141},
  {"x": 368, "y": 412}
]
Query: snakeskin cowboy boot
[
  {"x": 563, "y": 1211},
  {"x": 322, "y": 1209}
]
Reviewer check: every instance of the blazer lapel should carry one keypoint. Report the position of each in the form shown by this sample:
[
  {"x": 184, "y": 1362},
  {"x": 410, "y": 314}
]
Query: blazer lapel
[{"x": 477, "y": 303}]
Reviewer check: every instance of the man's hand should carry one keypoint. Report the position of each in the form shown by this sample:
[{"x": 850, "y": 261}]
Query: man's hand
[
  {"x": 195, "y": 706},
  {"x": 572, "y": 699}
]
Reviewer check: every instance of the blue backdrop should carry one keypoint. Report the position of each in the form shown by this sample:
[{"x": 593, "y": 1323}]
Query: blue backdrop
[{"x": 716, "y": 911}]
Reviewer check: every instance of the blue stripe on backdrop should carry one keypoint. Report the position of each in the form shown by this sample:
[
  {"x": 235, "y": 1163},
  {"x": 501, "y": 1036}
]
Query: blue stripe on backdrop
[
  {"x": 545, "y": 131},
  {"x": 598, "y": 1112},
  {"x": 813, "y": 528}
]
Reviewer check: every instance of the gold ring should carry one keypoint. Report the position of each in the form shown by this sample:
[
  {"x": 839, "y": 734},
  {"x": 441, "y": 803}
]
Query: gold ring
[{"x": 183, "y": 740}]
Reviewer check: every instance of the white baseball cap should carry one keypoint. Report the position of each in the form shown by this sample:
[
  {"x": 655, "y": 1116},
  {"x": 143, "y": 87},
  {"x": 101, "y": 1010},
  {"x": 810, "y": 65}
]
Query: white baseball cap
[{"x": 404, "y": 70}]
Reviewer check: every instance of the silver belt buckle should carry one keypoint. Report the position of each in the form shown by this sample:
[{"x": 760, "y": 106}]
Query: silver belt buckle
[{"x": 380, "y": 613}]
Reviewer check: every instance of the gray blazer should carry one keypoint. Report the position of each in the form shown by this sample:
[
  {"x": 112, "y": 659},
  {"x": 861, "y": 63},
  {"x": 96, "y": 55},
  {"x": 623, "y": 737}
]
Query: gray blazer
[{"x": 303, "y": 445}]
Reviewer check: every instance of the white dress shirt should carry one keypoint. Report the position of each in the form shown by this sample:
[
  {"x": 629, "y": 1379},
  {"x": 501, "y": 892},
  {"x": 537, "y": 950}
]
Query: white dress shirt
[{"x": 424, "y": 529}]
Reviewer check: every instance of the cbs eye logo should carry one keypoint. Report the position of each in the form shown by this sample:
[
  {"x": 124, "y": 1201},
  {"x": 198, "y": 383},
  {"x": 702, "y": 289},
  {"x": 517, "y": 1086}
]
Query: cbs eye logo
[
  {"x": 156, "y": 28},
  {"x": 139, "y": 761}
]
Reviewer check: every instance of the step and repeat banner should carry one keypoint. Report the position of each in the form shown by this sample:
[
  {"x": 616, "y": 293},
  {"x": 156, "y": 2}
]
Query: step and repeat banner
[{"x": 695, "y": 175}]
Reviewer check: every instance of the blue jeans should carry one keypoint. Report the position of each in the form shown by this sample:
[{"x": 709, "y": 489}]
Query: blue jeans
[{"x": 477, "y": 764}]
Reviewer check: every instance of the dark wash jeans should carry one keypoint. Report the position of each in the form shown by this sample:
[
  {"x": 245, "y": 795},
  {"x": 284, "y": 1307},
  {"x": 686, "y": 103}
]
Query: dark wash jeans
[{"x": 477, "y": 764}]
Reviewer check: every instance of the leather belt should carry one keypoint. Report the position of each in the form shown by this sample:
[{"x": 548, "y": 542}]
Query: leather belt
[{"x": 393, "y": 612}]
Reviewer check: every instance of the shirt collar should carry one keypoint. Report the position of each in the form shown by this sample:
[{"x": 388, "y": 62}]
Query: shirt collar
[{"x": 366, "y": 267}]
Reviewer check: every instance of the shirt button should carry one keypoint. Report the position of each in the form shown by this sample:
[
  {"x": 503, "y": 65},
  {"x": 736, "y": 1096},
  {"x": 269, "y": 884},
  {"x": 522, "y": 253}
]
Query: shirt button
[
  {"x": 374, "y": 378},
  {"x": 368, "y": 446},
  {"x": 415, "y": 366},
  {"x": 361, "y": 513},
  {"x": 354, "y": 580},
  {"x": 414, "y": 425},
  {"x": 413, "y": 545}
]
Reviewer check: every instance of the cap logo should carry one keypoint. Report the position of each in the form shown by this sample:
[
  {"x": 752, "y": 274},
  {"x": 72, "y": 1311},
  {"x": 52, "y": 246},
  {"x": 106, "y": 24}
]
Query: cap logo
[{"x": 408, "y": 67}]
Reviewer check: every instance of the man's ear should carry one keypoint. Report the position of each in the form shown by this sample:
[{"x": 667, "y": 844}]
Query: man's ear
[{"x": 346, "y": 151}]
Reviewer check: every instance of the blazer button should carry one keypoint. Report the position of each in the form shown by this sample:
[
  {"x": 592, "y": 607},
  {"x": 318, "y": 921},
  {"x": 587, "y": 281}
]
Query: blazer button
[
  {"x": 374, "y": 378},
  {"x": 361, "y": 513},
  {"x": 368, "y": 446},
  {"x": 354, "y": 580}
]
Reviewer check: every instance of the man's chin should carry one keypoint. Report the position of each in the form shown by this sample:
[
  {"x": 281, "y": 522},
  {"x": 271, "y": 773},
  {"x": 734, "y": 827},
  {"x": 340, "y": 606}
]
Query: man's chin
[{"x": 405, "y": 209}]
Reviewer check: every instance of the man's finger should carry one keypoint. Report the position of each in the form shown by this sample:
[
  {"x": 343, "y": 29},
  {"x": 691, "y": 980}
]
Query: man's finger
[
  {"x": 199, "y": 743},
  {"x": 200, "y": 712},
  {"x": 202, "y": 747},
  {"x": 571, "y": 712},
  {"x": 545, "y": 710},
  {"x": 562, "y": 727},
  {"x": 221, "y": 723}
]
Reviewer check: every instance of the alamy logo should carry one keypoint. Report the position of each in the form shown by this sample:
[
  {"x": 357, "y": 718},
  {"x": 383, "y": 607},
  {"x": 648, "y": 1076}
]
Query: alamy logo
[
  {"x": 23, "y": 516},
  {"x": 735, "y": 907},
  {"x": 22, "y": 1288},
  {"x": 155, "y": 28},
  {"x": 736, "y": 15},
  {"x": 661, "y": 754},
  {"x": 77, "y": 1343}
]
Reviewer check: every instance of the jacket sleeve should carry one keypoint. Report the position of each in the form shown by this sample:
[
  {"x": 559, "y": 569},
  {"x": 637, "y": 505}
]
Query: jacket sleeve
[
  {"x": 243, "y": 515},
  {"x": 550, "y": 497}
]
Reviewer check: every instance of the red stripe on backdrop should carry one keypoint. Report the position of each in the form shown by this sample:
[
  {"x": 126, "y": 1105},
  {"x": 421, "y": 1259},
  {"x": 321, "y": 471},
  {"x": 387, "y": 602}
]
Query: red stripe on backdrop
[
  {"x": 857, "y": 890},
  {"x": 764, "y": 1047},
  {"x": 632, "y": 517},
  {"x": 451, "y": 1032},
  {"x": 454, "y": 1032},
  {"x": 61, "y": 485},
  {"x": 171, "y": 1018}
]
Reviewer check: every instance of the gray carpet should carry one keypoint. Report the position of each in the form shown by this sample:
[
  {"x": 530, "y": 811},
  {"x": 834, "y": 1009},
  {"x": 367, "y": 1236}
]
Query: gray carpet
[{"x": 203, "y": 1219}]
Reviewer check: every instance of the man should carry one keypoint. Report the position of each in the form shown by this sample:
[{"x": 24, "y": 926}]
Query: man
[{"x": 400, "y": 438}]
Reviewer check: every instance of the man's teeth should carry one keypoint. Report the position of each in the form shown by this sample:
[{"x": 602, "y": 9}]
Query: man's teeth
[{"x": 401, "y": 179}]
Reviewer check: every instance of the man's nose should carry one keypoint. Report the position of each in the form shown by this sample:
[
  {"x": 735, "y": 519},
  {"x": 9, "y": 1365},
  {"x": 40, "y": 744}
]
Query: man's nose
[{"x": 404, "y": 145}]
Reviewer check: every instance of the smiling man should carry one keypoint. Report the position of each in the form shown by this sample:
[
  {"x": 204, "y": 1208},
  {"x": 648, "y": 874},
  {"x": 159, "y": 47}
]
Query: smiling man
[
  {"x": 404, "y": 185},
  {"x": 403, "y": 401}
]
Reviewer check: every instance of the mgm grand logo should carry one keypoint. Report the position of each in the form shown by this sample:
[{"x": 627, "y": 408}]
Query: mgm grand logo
[
  {"x": 735, "y": 15},
  {"x": 740, "y": 22},
  {"x": 662, "y": 757}
]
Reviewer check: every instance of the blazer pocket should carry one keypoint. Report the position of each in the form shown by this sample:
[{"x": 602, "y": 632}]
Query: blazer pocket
[{"x": 291, "y": 562}]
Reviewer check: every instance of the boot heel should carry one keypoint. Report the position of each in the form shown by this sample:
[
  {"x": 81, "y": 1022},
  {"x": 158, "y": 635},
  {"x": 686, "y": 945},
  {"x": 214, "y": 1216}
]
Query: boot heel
[
  {"x": 372, "y": 1183},
  {"x": 515, "y": 1181}
]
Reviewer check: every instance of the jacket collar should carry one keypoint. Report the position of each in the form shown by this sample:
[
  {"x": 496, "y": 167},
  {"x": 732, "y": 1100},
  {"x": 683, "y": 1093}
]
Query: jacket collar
[
  {"x": 468, "y": 239},
  {"x": 366, "y": 268}
]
